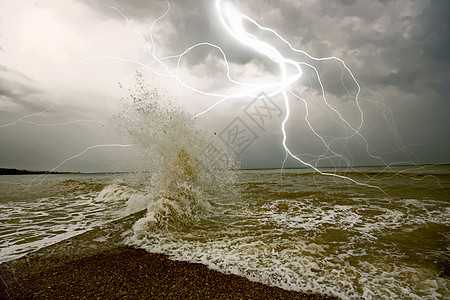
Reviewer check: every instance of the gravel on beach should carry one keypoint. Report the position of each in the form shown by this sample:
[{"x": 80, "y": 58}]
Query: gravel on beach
[{"x": 128, "y": 273}]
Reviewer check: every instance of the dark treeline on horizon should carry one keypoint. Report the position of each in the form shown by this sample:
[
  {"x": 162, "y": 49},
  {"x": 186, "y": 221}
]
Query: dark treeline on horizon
[{"x": 4, "y": 171}]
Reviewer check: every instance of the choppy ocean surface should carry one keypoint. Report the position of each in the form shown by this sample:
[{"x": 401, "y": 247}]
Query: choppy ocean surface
[{"x": 296, "y": 229}]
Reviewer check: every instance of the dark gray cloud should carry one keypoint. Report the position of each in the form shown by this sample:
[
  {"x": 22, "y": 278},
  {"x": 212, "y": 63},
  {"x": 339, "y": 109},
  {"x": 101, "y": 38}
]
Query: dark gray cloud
[
  {"x": 436, "y": 40},
  {"x": 400, "y": 49},
  {"x": 20, "y": 90},
  {"x": 414, "y": 44},
  {"x": 195, "y": 22},
  {"x": 40, "y": 147},
  {"x": 436, "y": 28}
]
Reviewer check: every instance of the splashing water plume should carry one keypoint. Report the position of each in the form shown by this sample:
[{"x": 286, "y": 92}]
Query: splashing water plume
[
  {"x": 334, "y": 234},
  {"x": 284, "y": 85},
  {"x": 172, "y": 168}
]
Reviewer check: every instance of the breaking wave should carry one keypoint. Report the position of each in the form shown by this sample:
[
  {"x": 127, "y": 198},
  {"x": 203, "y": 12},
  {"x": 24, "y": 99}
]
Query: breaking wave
[{"x": 174, "y": 179}]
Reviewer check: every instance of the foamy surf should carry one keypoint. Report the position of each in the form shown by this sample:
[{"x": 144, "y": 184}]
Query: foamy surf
[
  {"x": 71, "y": 206},
  {"x": 171, "y": 161},
  {"x": 350, "y": 245},
  {"x": 297, "y": 231}
]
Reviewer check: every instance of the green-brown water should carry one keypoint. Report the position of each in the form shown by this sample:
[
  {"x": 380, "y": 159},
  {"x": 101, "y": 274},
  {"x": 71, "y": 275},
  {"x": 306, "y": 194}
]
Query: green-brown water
[{"x": 298, "y": 230}]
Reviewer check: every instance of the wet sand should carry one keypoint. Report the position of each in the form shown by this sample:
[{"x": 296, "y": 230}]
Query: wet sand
[{"x": 128, "y": 273}]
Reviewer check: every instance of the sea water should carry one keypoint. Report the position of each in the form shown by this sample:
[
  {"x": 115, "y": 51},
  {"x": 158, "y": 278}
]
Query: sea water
[
  {"x": 292, "y": 228},
  {"x": 36, "y": 210},
  {"x": 296, "y": 229}
]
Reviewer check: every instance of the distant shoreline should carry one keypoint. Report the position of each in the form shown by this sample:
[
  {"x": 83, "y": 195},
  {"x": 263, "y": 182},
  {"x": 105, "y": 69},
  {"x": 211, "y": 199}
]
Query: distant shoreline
[
  {"x": 4, "y": 171},
  {"x": 9, "y": 171}
]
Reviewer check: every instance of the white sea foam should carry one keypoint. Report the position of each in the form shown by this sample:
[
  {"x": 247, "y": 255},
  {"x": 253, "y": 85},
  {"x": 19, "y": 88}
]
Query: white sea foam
[
  {"x": 172, "y": 164},
  {"x": 349, "y": 246},
  {"x": 280, "y": 256},
  {"x": 313, "y": 244},
  {"x": 136, "y": 200},
  {"x": 73, "y": 208},
  {"x": 296, "y": 231}
]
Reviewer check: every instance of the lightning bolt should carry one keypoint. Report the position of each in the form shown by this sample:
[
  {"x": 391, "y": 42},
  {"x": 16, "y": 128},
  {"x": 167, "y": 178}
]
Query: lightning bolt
[
  {"x": 232, "y": 21},
  {"x": 290, "y": 73},
  {"x": 60, "y": 124}
]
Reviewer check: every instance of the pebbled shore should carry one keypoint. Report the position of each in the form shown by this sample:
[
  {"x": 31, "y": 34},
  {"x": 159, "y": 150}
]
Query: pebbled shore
[
  {"x": 128, "y": 273},
  {"x": 97, "y": 265}
]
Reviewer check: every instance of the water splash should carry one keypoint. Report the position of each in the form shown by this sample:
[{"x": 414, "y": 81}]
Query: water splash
[{"x": 179, "y": 179}]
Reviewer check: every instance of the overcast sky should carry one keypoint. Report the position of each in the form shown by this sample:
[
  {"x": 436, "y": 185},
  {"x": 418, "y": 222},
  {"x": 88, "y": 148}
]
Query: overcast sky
[{"x": 64, "y": 59}]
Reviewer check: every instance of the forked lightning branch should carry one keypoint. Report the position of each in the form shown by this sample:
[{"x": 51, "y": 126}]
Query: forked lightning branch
[{"x": 289, "y": 73}]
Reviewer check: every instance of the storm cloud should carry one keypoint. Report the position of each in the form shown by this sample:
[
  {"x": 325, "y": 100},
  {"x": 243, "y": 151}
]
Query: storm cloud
[{"x": 398, "y": 51}]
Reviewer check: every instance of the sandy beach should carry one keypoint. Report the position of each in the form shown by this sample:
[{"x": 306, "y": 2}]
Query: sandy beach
[{"x": 129, "y": 273}]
